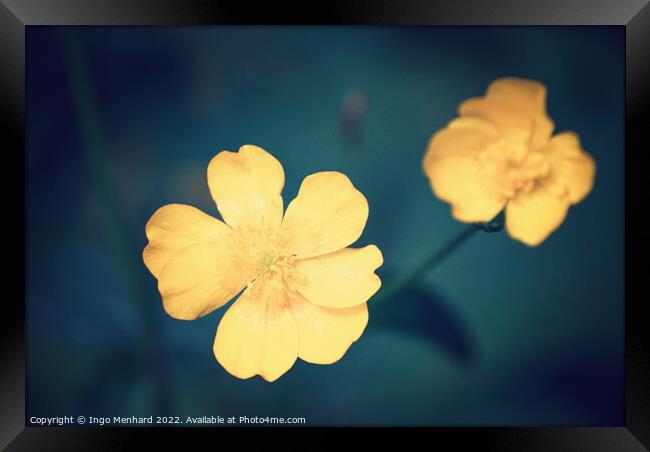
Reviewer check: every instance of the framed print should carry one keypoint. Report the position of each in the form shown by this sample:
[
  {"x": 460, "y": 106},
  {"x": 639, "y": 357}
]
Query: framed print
[{"x": 422, "y": 217}]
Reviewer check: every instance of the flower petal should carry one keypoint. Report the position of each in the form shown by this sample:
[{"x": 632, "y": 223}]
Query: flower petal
[
  {"x": 199, "y": 279},
  {"x": 517, "y": 107},
  {"x": 572, "y": 170},
  {"x": 532, "y": 216},
  {"x": 257, "y": 335},
  {"x": 457, "y": 173},
  {"x": 247, "y": 186},
  {"x": 327, "y": 333},
  {"x": 328, "y": 214},
  {"x": 342, "y": 279},
  {"x": 177, "y": 226}
]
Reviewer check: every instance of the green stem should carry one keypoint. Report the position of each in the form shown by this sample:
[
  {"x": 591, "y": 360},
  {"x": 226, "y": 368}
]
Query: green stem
[
  {"x": 434, "y": 260},
  {"x": 94, "y": 145},
  {"x": 121, "y": 242}
]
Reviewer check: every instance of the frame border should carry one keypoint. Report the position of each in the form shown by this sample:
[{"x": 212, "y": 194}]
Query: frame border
[{"x": 634, "y": 15}]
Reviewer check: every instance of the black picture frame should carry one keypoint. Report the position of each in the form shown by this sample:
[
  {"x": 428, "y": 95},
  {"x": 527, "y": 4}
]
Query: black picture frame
[{"x": 633, "y": 15}]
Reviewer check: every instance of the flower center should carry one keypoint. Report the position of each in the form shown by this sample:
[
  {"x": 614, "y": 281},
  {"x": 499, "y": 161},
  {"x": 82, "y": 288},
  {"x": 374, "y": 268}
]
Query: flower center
[
  {"x": 269, "y": 260},
  {"x": 523, "y": 175},
  {"x": 514, "y": 165},
  {"x": 260, "y": 255}
]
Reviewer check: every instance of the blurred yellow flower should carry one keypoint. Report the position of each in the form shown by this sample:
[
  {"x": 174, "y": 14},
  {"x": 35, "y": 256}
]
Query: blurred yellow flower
[
  {"x": 304, "y": 292},
  {"x": 500, "y": 153}
]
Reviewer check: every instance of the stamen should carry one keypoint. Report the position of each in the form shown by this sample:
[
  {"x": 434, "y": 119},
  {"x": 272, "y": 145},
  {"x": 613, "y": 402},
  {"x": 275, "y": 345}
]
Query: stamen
[{"x": 260, "y": 252}]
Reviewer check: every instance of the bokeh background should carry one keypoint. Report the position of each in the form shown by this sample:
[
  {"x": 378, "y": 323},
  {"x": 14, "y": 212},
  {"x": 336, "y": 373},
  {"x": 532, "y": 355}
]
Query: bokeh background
[{"x": 124, "y": 120}]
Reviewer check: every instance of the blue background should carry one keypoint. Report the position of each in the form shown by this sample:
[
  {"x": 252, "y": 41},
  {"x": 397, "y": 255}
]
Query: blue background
[{"x": 124, "y": 120}]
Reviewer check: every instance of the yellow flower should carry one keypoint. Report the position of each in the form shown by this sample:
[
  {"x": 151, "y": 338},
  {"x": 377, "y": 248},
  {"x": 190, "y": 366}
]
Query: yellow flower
[
  {"x": 500, "y": 153},
  {"x": 304, "y": 292}
]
